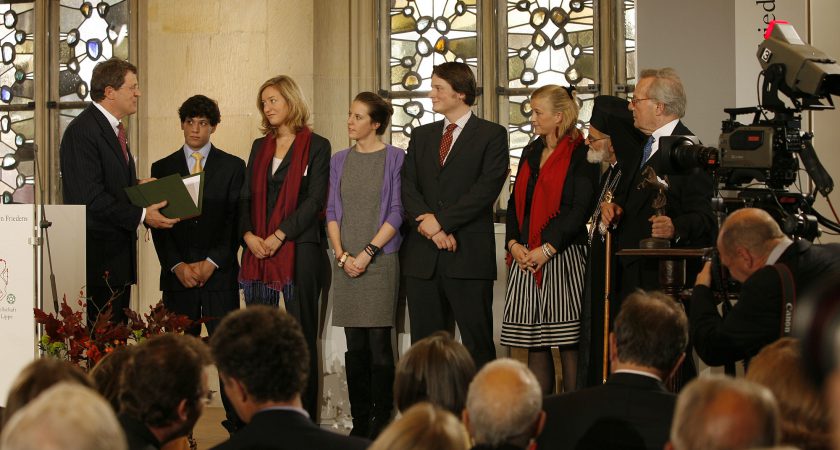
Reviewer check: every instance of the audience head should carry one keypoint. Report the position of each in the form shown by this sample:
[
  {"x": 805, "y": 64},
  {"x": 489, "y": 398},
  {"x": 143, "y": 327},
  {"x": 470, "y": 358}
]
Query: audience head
[
  {"x": 659, "y": 98},
  {"x": 803, "y": 410},
  {"x": 164, "y": 385},
  {"x": 67, "y": 416},
  {"x": 107, "y": 374},
  {"x": 281, "y": 104},
  {"x": 612, "y": 135},
  {"x": 38, "y": 376},
  {"x": 436, "y": 369},
  {"x": 424, "y": 426},
  {"x": 369, "y": 112},
  {"x": 113, "y": 84},
  {"x": 745, "y": 241},
  {"x": 720, "y": 413},
  {"x": 504, "y": 404},
  {"x": 650, "y": 333},
  {"x": 554, "y": 111},
  {"x": 262, "y": 357}
]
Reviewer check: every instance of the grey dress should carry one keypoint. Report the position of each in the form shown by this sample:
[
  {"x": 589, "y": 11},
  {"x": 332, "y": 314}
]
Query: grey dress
[{"x": 369, "y": 300}]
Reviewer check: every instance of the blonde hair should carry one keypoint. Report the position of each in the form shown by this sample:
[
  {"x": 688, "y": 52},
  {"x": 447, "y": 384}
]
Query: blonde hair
[
  {"x": 563, "y": 102},
  {"x": 298, "y": 109},
  {"x": 423, "y": 427}
]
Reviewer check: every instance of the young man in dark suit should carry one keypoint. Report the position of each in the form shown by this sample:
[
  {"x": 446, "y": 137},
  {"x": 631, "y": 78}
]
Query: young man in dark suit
[
  {"x": 263, "y": 359},
  {"x": 96, "y": 167},
  {"x": 198, "y": 265},
  {"x": 632, "y": 410},
  {"x": 452, "y": 175}
]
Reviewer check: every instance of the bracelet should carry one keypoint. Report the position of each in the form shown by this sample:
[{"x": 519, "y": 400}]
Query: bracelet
[
  {"x": 510, "y": 247},
  {"x": 547, "y": 251},
  {"x": 343, "y": 259},
  {"x": 278, "y": 237},
  {"x": 371, "y": 250}
]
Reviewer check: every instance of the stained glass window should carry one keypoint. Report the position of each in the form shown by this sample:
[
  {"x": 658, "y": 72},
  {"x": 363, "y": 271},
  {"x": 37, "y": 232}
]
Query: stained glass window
[
  {"x": 547, "y": 42},
  {"x": 17, "y": 92},
  {"x": 629, "y": 31},
  {"x": 420, "y": 35}
]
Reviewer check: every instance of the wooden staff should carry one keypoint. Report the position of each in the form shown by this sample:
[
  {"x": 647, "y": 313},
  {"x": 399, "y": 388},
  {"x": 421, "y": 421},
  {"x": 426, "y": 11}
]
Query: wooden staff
[{"x": 607, "y": 306}]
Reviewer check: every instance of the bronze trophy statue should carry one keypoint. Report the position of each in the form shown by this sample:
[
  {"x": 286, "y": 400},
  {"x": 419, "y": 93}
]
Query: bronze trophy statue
[{"x": 649, "y": 179}]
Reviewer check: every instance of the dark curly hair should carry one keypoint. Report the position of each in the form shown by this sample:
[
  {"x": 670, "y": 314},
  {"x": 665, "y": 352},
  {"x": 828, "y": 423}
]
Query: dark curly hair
[
  {"x": 200, "y": 106},
  {"x": 265, "y": 350},
  {"x": 163, "y": 371}
]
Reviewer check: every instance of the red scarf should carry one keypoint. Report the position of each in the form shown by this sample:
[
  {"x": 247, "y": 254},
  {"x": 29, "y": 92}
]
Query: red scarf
[
  {"x": 548, "y": 191},
  {"x": 278, "y": 270}
]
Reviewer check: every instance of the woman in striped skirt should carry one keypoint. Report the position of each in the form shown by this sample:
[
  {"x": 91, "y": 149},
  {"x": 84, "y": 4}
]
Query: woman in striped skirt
[{"x": 546, "y": 238}]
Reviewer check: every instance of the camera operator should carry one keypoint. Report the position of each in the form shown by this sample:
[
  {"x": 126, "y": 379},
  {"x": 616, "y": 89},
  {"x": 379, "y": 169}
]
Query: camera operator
[
  {"x": 658, "y": 104},
  {"x": 750, "y": 243}
]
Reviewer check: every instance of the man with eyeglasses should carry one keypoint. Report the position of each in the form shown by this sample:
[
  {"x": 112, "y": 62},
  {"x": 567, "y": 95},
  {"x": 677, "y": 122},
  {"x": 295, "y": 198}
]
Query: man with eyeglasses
[
  {"x": 658, "y": 105},
  {"x": 163, "y": 390},
  {"x": 198, "y": 264},
  {"x": 96, "y": 167}
]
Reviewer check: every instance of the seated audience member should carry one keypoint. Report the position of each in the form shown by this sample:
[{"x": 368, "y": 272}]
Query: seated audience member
[
  {"x": 106, "y": 374},
  {"x": 67, "y": 416},
  {"x": 424, "y": 426},
  {"x": 749, "y": 242},
  {"x": 38, "y": 376},
  {"x": 504, "y": 406},
  {"x": 632, "y": 410},
  {"x": 163, "y": 390},
  {"x": 720, "y": 413},
  {"x": 804, "y": 413},
  {"x": 436, "y": 369},
  {"x": 263, "y": 359}
]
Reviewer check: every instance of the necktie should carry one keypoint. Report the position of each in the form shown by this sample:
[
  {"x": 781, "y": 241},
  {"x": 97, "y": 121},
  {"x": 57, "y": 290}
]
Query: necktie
[
  {"x": 446, "y": 142},
  {"x": 197, "y": 166},
  {"x": 123, "y": 140},
  {"x": 648, "y": 149}
]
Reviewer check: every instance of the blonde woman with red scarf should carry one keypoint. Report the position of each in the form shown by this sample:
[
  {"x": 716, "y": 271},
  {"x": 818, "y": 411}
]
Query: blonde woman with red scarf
[
  {"x": 546, "y": 238},
  {"x": 281, "y": 215}
]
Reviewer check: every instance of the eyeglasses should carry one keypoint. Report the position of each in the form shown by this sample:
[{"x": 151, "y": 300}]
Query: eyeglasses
[
  {"x": 590, "y": 140},
  {"x": 635, "y": 101}
]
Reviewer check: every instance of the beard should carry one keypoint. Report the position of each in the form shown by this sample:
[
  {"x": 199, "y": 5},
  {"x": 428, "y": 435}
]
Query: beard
[{"x": 596, "y": 156}]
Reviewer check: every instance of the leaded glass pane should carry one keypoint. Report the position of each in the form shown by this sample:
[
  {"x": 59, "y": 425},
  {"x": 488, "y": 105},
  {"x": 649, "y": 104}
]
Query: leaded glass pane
[
  {"x": 420, "y": 35},
  {"x": 17, "y": 78},
  {"x": 629, "y": 29},
  {"x": 548, "y": 42}
]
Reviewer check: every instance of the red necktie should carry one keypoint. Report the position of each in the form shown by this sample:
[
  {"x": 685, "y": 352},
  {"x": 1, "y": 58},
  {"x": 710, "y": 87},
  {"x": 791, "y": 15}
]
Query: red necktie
[
  {"x": 446, "y": 142},
  {"x": 123, "y": 141}
]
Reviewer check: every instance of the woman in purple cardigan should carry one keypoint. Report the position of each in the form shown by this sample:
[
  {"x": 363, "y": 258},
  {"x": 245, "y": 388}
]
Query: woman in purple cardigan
[{"x": 364, "y": 214}]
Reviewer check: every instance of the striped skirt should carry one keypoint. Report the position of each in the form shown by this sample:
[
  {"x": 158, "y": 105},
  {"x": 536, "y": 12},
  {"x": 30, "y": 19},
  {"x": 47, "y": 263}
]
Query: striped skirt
[{"x": 548, "y": 316}]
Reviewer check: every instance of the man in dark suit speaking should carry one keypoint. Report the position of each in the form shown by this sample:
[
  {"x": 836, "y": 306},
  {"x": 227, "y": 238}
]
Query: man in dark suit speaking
[
  {"x": 452, "y": 175},
  {"x": 96, "y": 167},
  {"x": 633, "y": 410}
]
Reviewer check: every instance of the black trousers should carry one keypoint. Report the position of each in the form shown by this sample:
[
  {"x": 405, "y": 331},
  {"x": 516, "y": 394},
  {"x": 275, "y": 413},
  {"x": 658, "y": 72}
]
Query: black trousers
[
  {"x": 435, "y": 303},
  {"x": 302, "y": 303}
]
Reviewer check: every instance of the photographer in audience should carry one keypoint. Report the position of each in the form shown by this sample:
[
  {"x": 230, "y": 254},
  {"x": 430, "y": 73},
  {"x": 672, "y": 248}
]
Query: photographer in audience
[{"x": 757, "y": 254}]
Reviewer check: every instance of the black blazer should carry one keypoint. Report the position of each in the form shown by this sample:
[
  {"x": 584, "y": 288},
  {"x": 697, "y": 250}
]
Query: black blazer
[
  {"x": 94, "y": 173},
  {"x": 629, "y": 411},
  {"x": 756, "y": 320},
  {"x": 568, "y": 226},
  {"x": 689, "y": 205},
  {"x": 283, "y": 429},
  {"x": 213, "y": 233},
  {"x": 460, "y": 195},
  {"x": 305, "y": 224}
]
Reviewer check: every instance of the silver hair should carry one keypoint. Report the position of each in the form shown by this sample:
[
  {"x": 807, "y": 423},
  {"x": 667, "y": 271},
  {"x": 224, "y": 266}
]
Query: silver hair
[
  {"x": 696, "y": 427},
  {"x": 499, "y": 412},
  {"x": 667, "y": 88},
  {"x": 66, "y": 416}
]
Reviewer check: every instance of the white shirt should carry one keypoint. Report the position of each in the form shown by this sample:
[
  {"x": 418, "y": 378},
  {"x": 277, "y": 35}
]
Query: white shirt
[
  {"x": 777, "y": 251},
  {"x": 664, "y": 130},
  {"x": 461, "y": 122},
  {"x": 114, "y": 124}
]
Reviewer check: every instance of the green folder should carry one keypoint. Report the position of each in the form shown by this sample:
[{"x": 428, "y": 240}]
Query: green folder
[{"x": 184, "y": 195}]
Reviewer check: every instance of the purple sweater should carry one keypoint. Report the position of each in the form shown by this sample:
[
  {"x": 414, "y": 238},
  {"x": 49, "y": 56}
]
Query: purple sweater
[{"x": 390, "y": 206}]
